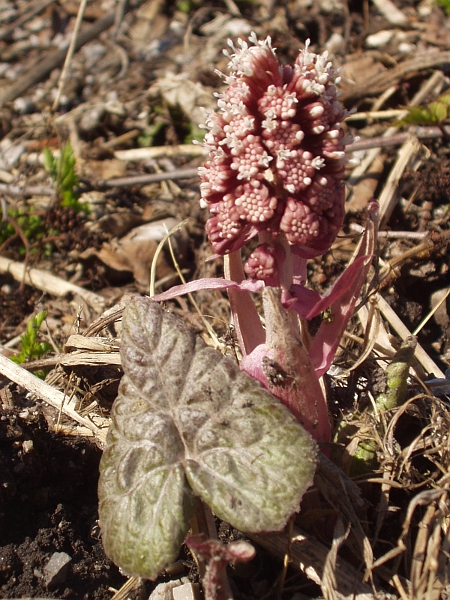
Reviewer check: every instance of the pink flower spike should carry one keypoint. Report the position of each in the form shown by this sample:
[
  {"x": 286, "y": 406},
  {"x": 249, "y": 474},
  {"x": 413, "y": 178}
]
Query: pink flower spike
[{"x": 276, "y": 152}]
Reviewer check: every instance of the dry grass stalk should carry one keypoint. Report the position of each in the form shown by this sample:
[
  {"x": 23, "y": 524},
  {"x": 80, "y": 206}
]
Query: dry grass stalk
[
  {"x": 429, "y": 87},
  {"x": 425, "y": 360},
  {"x": 46, "y": 282},
  {"x": 61, "y": 401}
]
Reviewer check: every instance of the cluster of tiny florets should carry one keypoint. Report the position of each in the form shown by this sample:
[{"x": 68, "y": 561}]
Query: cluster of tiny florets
[
  {"x": 276, "y": 151},
  {"x": 261, "y": 264}
]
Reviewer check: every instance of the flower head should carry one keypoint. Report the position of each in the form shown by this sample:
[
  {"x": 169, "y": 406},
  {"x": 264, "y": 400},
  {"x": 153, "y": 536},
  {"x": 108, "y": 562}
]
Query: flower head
[{"x": 276, "y": 152}]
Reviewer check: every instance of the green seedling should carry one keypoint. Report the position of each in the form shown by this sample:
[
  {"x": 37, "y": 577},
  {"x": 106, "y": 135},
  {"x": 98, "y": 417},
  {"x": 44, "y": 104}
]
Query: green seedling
[
  {"x": 62, "y": 170},
  {"x": 32, "y": 227},
  {"x": 394, "y": 395},
  {"x": 434, "y": 113},
  {"x": 31, "y": 348},
  {"x": 445, "y": 4}
]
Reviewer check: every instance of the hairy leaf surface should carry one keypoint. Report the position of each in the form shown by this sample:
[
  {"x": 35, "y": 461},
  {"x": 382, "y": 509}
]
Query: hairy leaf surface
[{"x": 187, "y": 420}]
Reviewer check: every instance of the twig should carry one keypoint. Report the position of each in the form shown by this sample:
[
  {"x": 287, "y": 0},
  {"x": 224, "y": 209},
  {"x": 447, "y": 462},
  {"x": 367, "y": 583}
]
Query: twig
[
  {"x": 422, "y": 133},
  {"x": 374, "y": 114},
  {"x": 125, "y": 137},
  {"x": 390, "y": 315},
  {"x": 42, "y": 280},
  {"x": 46, "y": 392},
  {"x": 39, "y": 71},
  {"x": 431, "y": 313},
  {"x": 402, "y": 235},
  {"x": 31, "y": 12},
  {"x": 160, "y": 151},
  {"x": 105, "y": 184},
  {"x": 70, "y": 53}
]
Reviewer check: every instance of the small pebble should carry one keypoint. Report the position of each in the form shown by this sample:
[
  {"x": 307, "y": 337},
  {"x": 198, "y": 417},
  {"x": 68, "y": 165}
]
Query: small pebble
[
  {"x": 27, "y": 446},
  {"x": 381, "y": 38},
  {"x": 55, "y": 571}
]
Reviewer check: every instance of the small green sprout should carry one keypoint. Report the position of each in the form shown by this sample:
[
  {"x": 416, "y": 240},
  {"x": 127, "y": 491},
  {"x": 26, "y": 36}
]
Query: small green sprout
[
  {"x": 445, "y": 4},
  {"x": 32, "y": 227},
  {"x": 31, "y": 348},
  {"x": 365, "y": 459},
  {"x": 62, "y": 171},
  {"x": 434, "y": 113}
]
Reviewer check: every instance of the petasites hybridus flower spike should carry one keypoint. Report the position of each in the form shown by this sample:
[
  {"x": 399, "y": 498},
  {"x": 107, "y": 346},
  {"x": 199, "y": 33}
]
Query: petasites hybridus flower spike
[
  {"x": 276, "y": 154},
  {"x": 275, "y": 170}
]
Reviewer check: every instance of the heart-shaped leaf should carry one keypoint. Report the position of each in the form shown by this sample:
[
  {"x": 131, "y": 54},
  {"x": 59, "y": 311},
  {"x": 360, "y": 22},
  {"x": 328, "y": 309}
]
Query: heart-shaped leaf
[{"x": 186, "y": 419}]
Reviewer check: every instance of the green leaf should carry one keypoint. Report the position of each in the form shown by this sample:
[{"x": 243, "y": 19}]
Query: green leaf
[
  {"x": 50, "y": 164},
  {"x": 145, "y": 502},
  {"x": 187, "y": 419},
  {"x": 434, "y": 113},
  {"x": 30, "y": 347},
  {"x": 63, "y": 173},
  {"x": 445, "y": 5}
]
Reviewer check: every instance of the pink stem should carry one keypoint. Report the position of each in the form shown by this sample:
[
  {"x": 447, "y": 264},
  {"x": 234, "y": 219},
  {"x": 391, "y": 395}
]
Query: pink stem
[{"x": 247, "y": 323}]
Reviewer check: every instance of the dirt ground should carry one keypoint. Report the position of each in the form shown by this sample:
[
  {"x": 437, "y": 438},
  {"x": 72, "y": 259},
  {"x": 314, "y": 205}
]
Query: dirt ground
[{"x": 129, "y": 104}]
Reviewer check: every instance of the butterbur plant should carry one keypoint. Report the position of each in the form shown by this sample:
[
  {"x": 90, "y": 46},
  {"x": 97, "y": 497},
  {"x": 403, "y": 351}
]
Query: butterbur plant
[
  {"x": 190, "y": 424},
  {"x": 275, "y": 172}
]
